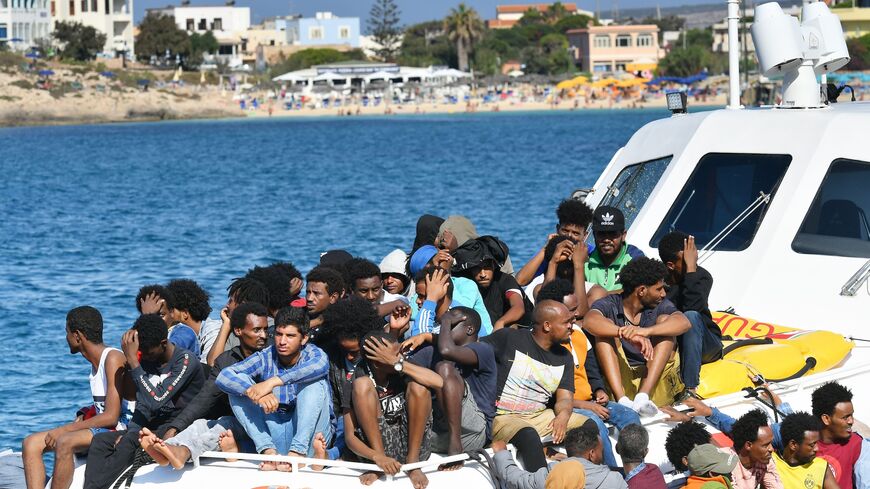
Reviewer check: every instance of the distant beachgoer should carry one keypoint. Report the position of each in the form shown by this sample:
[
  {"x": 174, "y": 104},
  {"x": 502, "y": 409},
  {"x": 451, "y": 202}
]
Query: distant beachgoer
[
  {"x": 635, "y": 335},
  {"x": 388, "y": 414},
  {"x": 324, "y": 287},
  {"x": 166, "y": 380},
  {"x": 535, "y": 371},
  {"x": 611, "y": 251},
  {"x": 207, "y": 421},
  {"x": 280, "y": 394},
  {"x": 110, "y": 410}
]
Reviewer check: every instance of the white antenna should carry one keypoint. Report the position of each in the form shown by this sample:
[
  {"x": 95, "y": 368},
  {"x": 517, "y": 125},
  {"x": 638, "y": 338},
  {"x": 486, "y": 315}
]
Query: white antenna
[{"x": 733, "y": 55}]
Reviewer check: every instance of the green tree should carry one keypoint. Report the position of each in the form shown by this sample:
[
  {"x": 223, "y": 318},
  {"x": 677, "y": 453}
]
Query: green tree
[
  {"x": 574, "y": 22},
  {"x": 684, "y": 62},
  {"x": 859, "y": 49},
  {"x": 201, "y": 44},
  {"x": 384, "y": 26},
  {"x": 464, "y": 28},
  {"x": 666, "y": 23},
  {"x": 555, "y": 12},
  {"x": 159, "y": 35},
  {"x": 426, "y": 44},
  {"x": 78, "y": 41}
]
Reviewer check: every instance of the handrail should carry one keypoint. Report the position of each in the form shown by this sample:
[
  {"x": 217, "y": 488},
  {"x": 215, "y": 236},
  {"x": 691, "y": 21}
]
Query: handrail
[
  {"x": 850, "y": 288},
  {"x": 709, "y": 248}
]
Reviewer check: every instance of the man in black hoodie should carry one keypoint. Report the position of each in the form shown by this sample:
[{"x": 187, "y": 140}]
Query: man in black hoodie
[
  {"x": 207, "y": 422},
  {"x": 166, "y": 380},
  {"x": 689, "y": 288}
]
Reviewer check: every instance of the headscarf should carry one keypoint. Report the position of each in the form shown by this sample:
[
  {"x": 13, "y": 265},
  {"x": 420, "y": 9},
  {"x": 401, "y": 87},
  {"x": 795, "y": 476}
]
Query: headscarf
[
  {"x": 427, "y": 231},
  {"x": 568, "y": 474},
  {"x": 395, "y": 262},
  {"x": 476, "y": 251},
  {"x": 460, "y": 227},
  {"x": 421, "y": 257}
]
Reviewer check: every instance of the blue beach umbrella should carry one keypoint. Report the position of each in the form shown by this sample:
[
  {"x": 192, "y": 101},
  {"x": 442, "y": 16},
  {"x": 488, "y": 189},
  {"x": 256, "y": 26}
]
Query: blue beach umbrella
[
  {"x": 45, "y": 72},
  {"x": 32, "y": 55},
  {"x": 107, "y": 74},
  {"x": 143, "y": 82}
]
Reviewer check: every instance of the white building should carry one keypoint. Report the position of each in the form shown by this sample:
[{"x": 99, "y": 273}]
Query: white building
[
  {"x": 229, "y": 25},
  {"x": 22, "y": 22},
  {"x": 114, "y": 18}
]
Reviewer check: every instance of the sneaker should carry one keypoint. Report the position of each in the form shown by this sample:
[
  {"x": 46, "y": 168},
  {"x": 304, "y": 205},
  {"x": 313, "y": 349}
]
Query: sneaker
[{"x": 646, "y": 409}]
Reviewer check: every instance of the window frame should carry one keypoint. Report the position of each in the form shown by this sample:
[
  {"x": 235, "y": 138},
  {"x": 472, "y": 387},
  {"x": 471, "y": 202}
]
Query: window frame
[
  {"x": 623, "y": 37},
  {"x": 629, "y": 183},
  {"x": 657, "y": 234},
  {"x": 812, "y": 206},
  {"x": 606, "y": 41},
  {"x": 647, "y": 40},
  {"x": 315, "y": 28}
]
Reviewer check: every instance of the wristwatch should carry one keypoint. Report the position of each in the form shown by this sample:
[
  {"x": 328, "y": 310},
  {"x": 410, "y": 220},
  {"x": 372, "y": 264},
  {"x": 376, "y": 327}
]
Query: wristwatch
[{"x": 399, "y": 366}]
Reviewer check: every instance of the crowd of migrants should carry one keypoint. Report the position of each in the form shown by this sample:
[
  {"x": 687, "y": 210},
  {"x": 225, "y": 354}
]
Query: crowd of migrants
[{"x": 444, "y": 349}]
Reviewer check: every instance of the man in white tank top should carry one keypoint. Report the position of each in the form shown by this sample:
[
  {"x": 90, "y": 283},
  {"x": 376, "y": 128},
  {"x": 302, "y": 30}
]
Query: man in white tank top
[{"x": 110, "y": 384}]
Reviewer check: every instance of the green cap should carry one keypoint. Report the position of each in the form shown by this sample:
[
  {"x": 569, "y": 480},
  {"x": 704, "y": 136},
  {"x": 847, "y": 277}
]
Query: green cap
[{"x": 706, "y": 458}]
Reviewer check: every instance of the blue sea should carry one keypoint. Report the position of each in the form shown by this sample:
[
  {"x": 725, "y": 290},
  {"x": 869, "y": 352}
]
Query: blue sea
[{"x": 91, "y": 213}]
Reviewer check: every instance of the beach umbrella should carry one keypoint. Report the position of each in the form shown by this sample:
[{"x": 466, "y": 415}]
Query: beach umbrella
[
  {"x": 107, "y": 74},
  {"x": 177, "y": 75},
  {"x": 291, "y": 77},
  {"x": 630, "y": 83},
  {"x": 45, "y": 72},
  {"x": 143, "y": 82},
  {"x": 32, "y": 55},
  {"x": 573, "y": 82},
  {"x": 515, "y": 73},
  {"x": 202, "y": 78}
]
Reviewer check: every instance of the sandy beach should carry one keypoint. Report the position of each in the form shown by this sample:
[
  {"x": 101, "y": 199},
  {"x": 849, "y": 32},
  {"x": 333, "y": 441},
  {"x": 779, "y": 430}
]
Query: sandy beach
[{"x": 79, "y": 95}]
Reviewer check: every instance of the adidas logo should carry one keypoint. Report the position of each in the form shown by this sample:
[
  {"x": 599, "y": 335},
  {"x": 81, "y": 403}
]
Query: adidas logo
[{"x": 607, "y": 219}]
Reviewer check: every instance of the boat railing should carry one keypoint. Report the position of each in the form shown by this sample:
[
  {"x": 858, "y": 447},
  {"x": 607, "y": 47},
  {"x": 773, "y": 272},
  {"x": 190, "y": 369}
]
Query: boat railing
[{"x": 297, "y": 462}]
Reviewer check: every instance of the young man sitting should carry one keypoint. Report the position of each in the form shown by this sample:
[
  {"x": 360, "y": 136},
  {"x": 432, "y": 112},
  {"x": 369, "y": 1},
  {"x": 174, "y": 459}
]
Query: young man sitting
[
  {"x": 324, "y": 287},
  {"x": 206, "y": 423},
  {"x": 394, "y": 272},
  {"x": 796, "y": 462},
  {"x": 157, "y": 299},
  {"x": 582, "y": 444},
  {"x": 365, "y": 281},
  {"x": 191, "y": 308},
  {"x": 632, "y": 447},
  {"x": 635, "y": 338},
  {"x": 240, "y": 291},
  {"x": 166, "y": 380},
  {"x": 710, "y": 468},
  {"x": 689, "y": 288},
  {"x": 611, "y": 253},
  {"x": 535, "y": 371},
  {"x": 465, "y": 404},
  {"x": 434, "y": 298},
  {"x": 280, "y": 395},
  {"x": 573, "y": 218},
  {"x": 110, "y": 410},
  {"x": 388, "y": 414},
  {"x": 590, "y": 397}
]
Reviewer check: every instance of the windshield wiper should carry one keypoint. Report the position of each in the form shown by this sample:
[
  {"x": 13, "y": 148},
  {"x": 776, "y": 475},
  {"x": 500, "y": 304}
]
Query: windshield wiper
[
  {"x": 709, "y": 248},
  {"x": 850, "y": 288}
]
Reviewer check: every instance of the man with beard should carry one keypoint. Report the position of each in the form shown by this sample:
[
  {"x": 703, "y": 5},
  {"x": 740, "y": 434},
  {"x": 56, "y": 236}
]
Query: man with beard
[
  {"x": 753, "y": 444},
  {"x": 646, "y": 325},
  {"x": 206, "y": 423},
  {"x": 611, "y": 253}
]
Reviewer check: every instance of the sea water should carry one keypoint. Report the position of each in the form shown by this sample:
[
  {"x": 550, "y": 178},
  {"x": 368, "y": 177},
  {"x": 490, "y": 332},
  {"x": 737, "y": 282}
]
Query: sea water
[{"x": 88, "y": 214}]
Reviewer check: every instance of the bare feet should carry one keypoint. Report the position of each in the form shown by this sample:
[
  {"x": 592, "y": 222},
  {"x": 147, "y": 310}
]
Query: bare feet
[
  {"x": 287, "y": 466},
  {"x": 149, "y": 441},
  {"x": 453, "y": 449},
  {"x": 268, "y": 466},
  {"x": 177, "y": 455},
  {"x": 369, "y": 478},
  {"x": 319, "y": 444},
  {"x": 418, "y": 479},
  {"x": 228, "y": 444}
]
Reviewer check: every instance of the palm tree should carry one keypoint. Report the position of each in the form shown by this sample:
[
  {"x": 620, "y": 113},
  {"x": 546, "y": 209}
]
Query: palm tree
[
  {"x": 463, "y": 26},
  {"x": 555, "y": 13}
]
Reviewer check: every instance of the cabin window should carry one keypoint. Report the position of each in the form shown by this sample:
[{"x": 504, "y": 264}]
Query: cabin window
[
  {"x": 633, "y": 185},
  {"x": 722, "y": 188},
  {"x": 837, "y": 223}
]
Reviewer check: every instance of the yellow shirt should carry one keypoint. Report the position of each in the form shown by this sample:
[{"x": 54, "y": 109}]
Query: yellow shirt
[{"x": 807, "y": 476}]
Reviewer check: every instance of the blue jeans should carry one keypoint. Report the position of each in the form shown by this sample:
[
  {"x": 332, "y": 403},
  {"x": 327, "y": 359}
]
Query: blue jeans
[
  {"x": 620, "y": 416},
  {"x": 290, "y": 429},
  {"x": 697, "y": 346}
]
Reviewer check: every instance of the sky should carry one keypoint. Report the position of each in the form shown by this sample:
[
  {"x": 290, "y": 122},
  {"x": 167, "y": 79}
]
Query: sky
[{"x": 413, "y": 11}]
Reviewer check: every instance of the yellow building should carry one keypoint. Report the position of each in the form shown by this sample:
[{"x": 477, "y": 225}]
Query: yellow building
[{"x": 855, "y": 20}]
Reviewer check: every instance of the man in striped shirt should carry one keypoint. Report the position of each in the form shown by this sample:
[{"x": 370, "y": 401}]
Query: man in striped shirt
[{"x": 281, "y": 395}]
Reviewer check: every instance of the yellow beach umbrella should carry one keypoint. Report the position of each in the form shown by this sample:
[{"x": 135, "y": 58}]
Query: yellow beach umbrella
[
  {"x": 604, "y": 82},
  {"x": 631, "y": 83},
  {"x": 573, "y": 82}
]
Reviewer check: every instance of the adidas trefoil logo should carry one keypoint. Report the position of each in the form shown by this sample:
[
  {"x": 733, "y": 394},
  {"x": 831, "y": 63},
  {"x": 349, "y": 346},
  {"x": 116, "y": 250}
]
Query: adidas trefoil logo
[{"x": 607, "y": 218}]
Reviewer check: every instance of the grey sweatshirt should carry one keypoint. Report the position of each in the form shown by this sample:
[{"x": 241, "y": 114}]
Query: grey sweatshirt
[{"x": 597, "y": 476}]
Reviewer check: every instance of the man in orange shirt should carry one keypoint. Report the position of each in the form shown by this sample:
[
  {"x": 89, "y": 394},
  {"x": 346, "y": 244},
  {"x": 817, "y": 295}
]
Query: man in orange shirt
[{"x": 590, "y": 397}]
